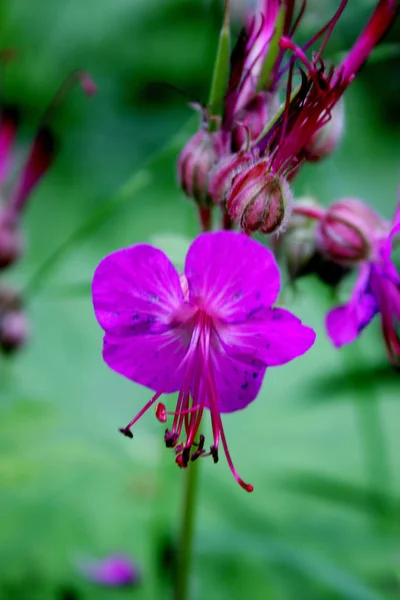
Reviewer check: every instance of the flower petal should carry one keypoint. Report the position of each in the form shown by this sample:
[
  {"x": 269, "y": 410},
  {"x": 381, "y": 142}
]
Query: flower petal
[
  {"x": 136, "y": 292},
  {"x": 238, "y": 379},
  {"x": 153, "y": 360},
  {"x": 283, "y": 337},
  {"x": 247, "y": 349},
  {"x": 231, "y": 275},
  {"x": 345, "y": 323}
]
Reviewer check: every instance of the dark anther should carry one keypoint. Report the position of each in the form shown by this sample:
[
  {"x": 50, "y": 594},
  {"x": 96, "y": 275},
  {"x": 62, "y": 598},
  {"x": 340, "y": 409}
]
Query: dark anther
[
  {"x": 126, "y": 432},
  {"x": 200, "y": 449},
  {"x": 179, "y": 448},
  {"x": 214, "y": 453},
  {"x": 186, "y": 456},
  {"x": 170, "y": 438},
  {"x": 196, "y": 454}
]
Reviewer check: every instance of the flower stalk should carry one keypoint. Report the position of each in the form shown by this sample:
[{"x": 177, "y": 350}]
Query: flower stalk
[{"x": 186, "y": 536}]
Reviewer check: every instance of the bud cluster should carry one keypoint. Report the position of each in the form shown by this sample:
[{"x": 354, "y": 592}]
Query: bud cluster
[
  {"x": 329, "y": 242},
  {"x": 259, "y": 128}
]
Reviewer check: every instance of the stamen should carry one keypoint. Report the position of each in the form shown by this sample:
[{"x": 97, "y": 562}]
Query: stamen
[
  {"x": 287, "y": 44},
  {"x": 299, "y": 17},
  {"x": 287, "y": 102},
  {"x": 214, "y": 454},
  {"x": 161, "y": 413},
  {"x": 200, "y": 449},
  {"x": 216, "y": 417},
  {"x": 328, "y": 26},
  {"x": 126, "y": 430},
  {"x": 170, "y": 438}
]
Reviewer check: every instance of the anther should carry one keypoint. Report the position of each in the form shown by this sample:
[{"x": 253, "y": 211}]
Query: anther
[
  {"x": 170, "y": 438},
  {"x": 195, "y": 455},
  {"x": 214, "y": 453},
  {"x": 126, "y": 432},
  {"x": 161, "y": 413}
]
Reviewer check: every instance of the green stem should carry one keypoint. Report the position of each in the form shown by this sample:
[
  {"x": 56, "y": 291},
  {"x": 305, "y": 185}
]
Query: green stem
[{"x": 185, "y": 550}]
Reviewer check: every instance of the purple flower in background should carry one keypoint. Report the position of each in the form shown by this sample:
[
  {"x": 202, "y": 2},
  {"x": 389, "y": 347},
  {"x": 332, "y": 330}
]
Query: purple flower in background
[
  {"x": 209, "y": 334},
  {"x": 39, "y": 159},
  {"x": 114, "y": 571},
  {"x": 377, "y": 289}
]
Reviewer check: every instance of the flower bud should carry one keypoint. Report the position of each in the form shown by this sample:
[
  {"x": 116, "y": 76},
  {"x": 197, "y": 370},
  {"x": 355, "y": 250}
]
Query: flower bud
[
  {"x": 225, "y": 170},
  {"x": 196, "y": 161},
  {"x": 327, "y": 138},
  {"x": 260, "y": 199},
  {"x": 250, "y": 121},
  {"x": 348, "y": 231},
  {"x": 296, "y": 246},
  {"x": 11, "y": 243},
  {"x": 14, "y": 331}
]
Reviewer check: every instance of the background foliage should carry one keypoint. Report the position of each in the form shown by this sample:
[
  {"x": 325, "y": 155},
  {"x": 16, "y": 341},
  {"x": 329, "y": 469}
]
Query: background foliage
[{"x": 320, "y": 444}]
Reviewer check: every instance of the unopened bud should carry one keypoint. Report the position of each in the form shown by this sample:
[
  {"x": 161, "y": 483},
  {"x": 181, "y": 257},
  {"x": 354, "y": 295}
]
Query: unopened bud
[
  {"x": 11, "y": 243},
  {"x": 259, "y": 199},
  {"x": 348, "y": 231},
  {"x": 250, "y": 121},
  {"x": 326, "y": 139},
  {"x": 196, "y": 161},
  {"x": 14, "y": 331},
  {"x": 296, "y": 246},
  {"x": 222, "y": 175}
]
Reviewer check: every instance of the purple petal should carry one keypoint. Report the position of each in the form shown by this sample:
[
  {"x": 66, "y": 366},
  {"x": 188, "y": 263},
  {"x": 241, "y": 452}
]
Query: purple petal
[
  {"x": 231, "y": 275},
  {"x": 116, "y": 571},
  {"x": 282, "y": 337},
  {"x": 345, "y": 323},
  {"x": 152, "y": 360},
  {"x": 238, "y": 380},
  {"x": 136, "y": 292},
  {"x": 272, "y": 337}
]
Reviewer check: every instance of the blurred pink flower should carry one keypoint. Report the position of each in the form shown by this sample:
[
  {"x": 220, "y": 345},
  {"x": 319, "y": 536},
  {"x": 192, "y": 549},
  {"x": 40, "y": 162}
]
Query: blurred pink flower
[{"x": 114, "y": 571}]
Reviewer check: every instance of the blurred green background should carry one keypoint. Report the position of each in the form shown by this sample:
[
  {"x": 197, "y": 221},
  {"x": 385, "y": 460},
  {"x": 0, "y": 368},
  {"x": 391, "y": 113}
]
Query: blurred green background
[{"x": 320, "y": 444}]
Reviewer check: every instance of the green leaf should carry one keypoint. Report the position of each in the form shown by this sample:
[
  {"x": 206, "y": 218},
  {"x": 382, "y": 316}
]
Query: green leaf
[{"x": 221, "y": 70}]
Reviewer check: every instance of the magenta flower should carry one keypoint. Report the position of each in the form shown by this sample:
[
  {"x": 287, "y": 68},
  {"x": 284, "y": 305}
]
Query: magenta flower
[
  {"x": 113, "y": 571},
  {"x": 377, "y": 290},
  {"x": 209, "y": 334}
]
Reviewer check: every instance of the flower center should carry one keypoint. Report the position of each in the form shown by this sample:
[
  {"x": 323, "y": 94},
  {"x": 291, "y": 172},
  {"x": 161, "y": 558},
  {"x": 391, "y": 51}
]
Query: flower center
[{"x": 198, "y": 391}]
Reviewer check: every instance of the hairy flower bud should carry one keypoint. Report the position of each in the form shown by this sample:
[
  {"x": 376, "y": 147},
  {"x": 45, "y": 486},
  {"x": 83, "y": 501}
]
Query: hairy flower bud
[
  {"x": 250, "y": 121},
  {"x": 348, "y": 231},
  {"x": 296, "y": 245},
  {"x": 196, "y": 161},
  {"x": 222, "y": 175},
  {"x": 325, "y": 140},
  {"x": 14, "y": 331},
  {"x": 259, "y": 199}
]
